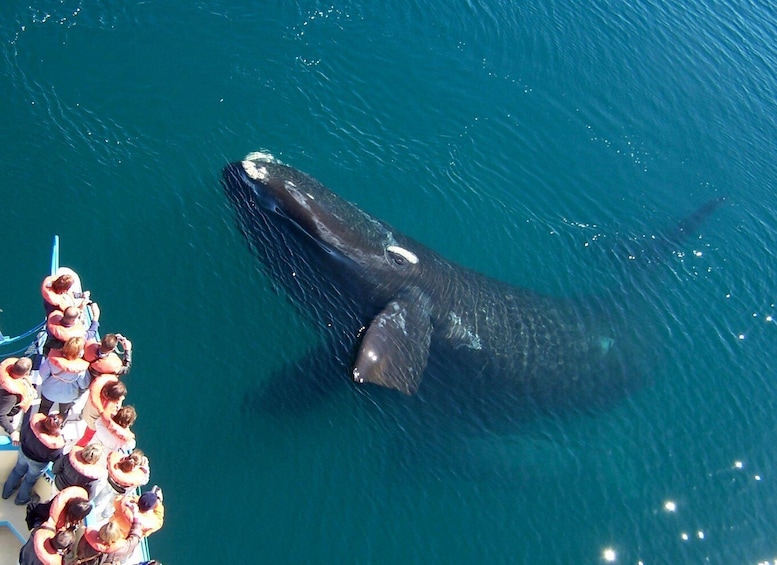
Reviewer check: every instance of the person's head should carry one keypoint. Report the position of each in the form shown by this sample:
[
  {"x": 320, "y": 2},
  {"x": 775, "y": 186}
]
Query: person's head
[
  {"x": 62, "y": 541},
  {"x": 76, "y": 510},
  {"x": 70, "y": 316},
  {"x": 126, "y": 464},
  {"x": 108, "y": 343},
  {"x": 62, "y": 283},
  {"x": 52, "y": 424},
  {"x": 115, "y": 391},
  {"x": 126, "y": 416},
  {"x": 109, "y": 532},
  {"x": 21, "y": 368},
  {"x": 147, "y": 501},
  {"x": 91, "y": 453},
  {"x": 73, "y": 348}
]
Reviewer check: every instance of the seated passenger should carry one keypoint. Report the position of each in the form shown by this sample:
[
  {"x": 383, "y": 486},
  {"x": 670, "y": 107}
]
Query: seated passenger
[
  {"x": 64, "y": 375},
  {"x": 16, "y": 392},
  {"x": 57, "y": 293}
]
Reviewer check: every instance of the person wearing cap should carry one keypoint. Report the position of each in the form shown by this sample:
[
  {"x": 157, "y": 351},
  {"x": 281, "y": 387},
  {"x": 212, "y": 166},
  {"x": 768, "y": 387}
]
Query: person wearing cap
[
  {"x": 16, "y": 392},
  {"x": 63, "y": 376},
  {"x": 41, "y": 443},
  {"x": 46, "y": 546},
  {"x": 151, "y": 512}
]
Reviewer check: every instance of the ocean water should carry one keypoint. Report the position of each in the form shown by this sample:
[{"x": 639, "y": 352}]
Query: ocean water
[{"x": 528, "y": 140}]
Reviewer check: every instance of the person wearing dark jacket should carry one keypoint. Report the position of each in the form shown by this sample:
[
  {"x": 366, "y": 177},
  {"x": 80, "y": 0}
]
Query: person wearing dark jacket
[
  {"x": 46, "y": 546},
  {"x": 16, "y": 392},
  {"x": 41, "y": 442},
  {"x": 84, "y": 467}
]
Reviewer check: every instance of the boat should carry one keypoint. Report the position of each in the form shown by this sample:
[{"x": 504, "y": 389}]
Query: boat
[{"x": 13, "y": 527}]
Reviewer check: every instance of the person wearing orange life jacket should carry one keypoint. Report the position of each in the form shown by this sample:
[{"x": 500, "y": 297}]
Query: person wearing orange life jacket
[
  {"x": 16, "y": 392},
  {"x": 46, "y": 546},
  {"x": 66, "y": 511},
  {"x": 106, "y": 394},
  {"x": 62, "y": 325},
  {"x": 103, "y": 358},
  {"x": 125, "y": 473},
  {"x": 82, "y": 466},
  {"x": 151, "y": 512},
  {"x": 64, "y": 375},
  {"x": 114, "y": 432},
  {"x": 41, "y": 443},
  {"x": 58, "y": 295},
  {"x": 107, "y": 544}
]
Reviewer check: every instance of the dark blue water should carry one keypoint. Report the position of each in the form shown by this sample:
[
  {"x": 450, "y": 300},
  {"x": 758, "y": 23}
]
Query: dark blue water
[{"x": 525, "y": 140}]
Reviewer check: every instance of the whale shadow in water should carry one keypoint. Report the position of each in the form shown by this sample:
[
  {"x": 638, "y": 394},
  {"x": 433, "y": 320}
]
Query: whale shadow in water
[{"x": 467, "y": 351}]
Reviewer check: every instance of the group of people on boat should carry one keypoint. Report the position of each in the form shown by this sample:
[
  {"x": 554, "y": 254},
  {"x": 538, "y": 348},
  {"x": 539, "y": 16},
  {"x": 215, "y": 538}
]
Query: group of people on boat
[{"x": 98, "y": 474}]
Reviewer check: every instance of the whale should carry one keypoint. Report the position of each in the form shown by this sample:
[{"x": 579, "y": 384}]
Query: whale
[{"x": 399, "y": 316}]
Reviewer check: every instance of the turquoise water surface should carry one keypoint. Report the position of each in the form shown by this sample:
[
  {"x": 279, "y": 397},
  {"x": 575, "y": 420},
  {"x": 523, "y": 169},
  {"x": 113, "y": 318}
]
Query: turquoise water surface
[{"x": 527, "y": 140}]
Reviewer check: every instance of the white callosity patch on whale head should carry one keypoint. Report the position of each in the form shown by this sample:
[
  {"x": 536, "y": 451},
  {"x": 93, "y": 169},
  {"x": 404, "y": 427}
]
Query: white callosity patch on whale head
[
  {"x": 261, "y": 156},
  {"x": 253, "y": 171},
  {"x": 402, "y": 252}
]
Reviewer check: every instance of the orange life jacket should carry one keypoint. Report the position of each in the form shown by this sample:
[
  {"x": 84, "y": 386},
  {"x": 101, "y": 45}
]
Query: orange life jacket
[
  {"x": 124, "y": 435},
  {"x": 50, "y": 441},
  {"x": 63, "y": 333},
  {"x": 108, "y": 364},
  {"x": 44, "y": 551},
  {"x": 96, "y": 399},
  {"x": 61, "y": 301},
  {"x": 95, "y": 470},
  {"x": 150, "y": 521},
  {"x": 92, "y": 536},
  {"x": 135, "y": 478},
  {"x": 20, "y": 386},
  {"x": 61, "y": 364},
  {"x": 59, "y": 504}
]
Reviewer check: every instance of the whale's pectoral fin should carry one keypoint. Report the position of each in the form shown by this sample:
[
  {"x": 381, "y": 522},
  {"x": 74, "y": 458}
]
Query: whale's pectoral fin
[{"x": 395, "y": 347}]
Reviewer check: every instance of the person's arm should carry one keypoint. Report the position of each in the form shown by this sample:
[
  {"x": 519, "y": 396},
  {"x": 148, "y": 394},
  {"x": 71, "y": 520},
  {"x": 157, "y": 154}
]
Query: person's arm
[
  {"x": 126, "y": 362},
  {"x": 94, "y": 327},
  {"x": 136, "y": 531},
  {"x": 7, "y": 402}
]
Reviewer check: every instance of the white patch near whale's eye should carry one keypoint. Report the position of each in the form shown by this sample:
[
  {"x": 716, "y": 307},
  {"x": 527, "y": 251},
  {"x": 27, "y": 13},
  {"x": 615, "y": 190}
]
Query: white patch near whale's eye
[
  {"x": 256, "y": 173},
  {"x": 409, "y": 256},
  {"x": 261, "y": 156}
]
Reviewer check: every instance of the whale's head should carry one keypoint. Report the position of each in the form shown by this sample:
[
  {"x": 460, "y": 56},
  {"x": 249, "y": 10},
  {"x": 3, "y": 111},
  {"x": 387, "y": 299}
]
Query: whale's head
[{"x": 282, "y": 208}]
